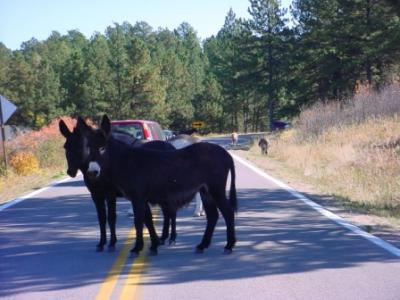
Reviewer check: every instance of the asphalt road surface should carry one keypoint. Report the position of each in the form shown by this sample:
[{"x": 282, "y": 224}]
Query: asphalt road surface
[{"x": 285, "y": 250}]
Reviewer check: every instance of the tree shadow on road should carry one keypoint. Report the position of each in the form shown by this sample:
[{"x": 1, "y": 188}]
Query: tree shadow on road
[
  {"x": 49, "y": 244},
  {"x": 277, "y": 234}
]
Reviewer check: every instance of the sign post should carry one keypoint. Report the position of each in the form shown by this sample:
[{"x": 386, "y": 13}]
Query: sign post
[{"x": 6, "y": 110}]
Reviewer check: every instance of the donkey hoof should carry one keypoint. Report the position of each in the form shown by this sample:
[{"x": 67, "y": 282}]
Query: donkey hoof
[
  {"x": 111, "y": 248},
  {"x": 135, "y": 250},
  {"x": 199, "y": 250},
  {"x": 172, "y": 243},
  {"x": 99, "y": 248},
  {"x": 227, "y": 251},
  {"x": 153, "y": 252}
]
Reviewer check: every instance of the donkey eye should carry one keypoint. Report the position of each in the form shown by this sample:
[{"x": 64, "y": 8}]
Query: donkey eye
[{"x": 102, "y": 150}]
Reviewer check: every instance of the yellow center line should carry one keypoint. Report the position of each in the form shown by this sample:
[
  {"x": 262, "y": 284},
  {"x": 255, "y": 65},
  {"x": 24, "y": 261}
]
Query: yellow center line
[
  {"x": 109, "y": 283},
  {"x": 131, "y": 285}
]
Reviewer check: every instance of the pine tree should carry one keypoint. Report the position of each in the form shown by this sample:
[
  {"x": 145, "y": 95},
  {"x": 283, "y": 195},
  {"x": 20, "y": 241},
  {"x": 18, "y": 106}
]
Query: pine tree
[
  {"x": 118, "y": 63},
  {"x": 5, "y": 60},
  {"x": 146, "y": 92},
  {"x": 97, "y": 87},
  {"x": 268, "y": 28}
]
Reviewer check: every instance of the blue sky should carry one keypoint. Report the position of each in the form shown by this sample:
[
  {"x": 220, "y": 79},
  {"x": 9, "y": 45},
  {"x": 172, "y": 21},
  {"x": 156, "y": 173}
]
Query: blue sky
[{"x": 23, "y": 19}]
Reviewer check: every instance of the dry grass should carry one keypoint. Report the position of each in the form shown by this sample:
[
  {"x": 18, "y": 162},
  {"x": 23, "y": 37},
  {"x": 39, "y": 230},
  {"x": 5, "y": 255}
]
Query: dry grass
[
  {"x": 23, "y": 184},
  {"x": 350, "y": 149},
  {"x": 351, "y": 162},
  {"x": 366, "y": 104}
]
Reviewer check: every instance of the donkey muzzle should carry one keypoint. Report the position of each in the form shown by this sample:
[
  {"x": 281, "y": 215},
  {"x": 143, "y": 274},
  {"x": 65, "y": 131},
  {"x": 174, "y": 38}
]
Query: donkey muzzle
[
  {"x": 93, "y": 170},
  {"x": 72, "y": 172}
]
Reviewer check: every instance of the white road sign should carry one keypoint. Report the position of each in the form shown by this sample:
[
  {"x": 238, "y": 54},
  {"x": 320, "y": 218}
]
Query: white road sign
[{"x": 7, "y": 109}]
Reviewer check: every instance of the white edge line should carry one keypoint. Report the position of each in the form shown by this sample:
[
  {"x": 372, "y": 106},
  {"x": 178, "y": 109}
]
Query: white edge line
[
  {"x": 337, "y": 219},
  {"x": 30, "y": 195}
]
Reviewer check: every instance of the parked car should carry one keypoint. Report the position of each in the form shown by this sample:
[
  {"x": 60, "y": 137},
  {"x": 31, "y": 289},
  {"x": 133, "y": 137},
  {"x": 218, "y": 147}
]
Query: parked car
[
  {"x": 140, "y": 129},
  {"x": 280, "y": 125}
]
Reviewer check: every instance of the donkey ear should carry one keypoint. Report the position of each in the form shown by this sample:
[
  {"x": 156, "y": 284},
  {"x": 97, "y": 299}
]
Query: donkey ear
[
  {"x": 106, "y": 125},
  {"x": 64, "y": 129},
  {"x": 81, "y": 125}
]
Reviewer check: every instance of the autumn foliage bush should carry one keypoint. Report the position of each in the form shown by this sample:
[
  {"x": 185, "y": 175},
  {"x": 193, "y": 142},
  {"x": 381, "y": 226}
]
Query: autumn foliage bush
[
  {"x": 34, "y": 158},
  {"x": 24, "y": 163},
  {"x": 38, "y": 149}
]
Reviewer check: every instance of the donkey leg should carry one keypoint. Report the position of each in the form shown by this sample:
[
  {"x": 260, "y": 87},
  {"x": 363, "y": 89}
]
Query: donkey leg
[
  {"x": 101, "y": 216},
  {"x": 212, "y": 218},
  {"x": 112, "y": 218},
  {"x": 229, "y": 217},
  {"x": 139, "y": 213},
  {"x": 152, "y": 231},
  {"x": 165, "y": 231},
  {"x": 172, "y": 239}
]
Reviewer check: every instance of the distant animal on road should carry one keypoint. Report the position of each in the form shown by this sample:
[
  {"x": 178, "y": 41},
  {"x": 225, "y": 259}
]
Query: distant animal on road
[
  {"x": 263, "y": 144},
  {"x": 168, "y": 178},
  {"x": 234, "y": 137}
]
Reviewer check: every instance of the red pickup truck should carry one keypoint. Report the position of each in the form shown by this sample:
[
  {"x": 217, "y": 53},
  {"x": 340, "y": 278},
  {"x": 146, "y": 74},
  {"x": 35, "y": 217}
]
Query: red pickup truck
[{"x": 140, "y": 129}]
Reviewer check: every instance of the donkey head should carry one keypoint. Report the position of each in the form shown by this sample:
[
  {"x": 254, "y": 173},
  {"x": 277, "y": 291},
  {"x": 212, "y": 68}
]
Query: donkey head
[
  {"x": 75, "y": 145},
  {"x": 96, "y": 145}
]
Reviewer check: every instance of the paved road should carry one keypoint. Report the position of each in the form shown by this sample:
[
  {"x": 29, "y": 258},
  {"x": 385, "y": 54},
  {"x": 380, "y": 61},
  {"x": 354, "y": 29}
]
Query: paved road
[
  {"x": 285, "y": 250},
  {"x": 243, "y": 140}
]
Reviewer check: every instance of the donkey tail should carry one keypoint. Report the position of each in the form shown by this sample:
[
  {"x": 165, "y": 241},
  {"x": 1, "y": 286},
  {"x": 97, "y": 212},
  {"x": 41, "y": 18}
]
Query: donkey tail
[{"x": 232, "y": 192}]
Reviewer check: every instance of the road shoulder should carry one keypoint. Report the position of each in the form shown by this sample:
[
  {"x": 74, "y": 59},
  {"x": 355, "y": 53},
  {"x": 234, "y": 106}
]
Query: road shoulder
[{"x": 381, "y": 227}]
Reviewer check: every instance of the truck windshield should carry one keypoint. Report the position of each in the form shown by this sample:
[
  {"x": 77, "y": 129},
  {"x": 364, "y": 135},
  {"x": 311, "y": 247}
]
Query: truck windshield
[{"x": 134, "y": 130}]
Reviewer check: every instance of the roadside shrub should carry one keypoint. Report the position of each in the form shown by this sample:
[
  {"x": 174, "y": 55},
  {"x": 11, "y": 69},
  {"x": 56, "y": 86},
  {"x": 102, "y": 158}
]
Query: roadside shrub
[
  {"x": 366, "y": 104},
  {"x": 315, "y": 120},
  {"x": 50, "y": 153},
  {"x": 45, "y": 145},
  {"x": 24, "y": 163}
]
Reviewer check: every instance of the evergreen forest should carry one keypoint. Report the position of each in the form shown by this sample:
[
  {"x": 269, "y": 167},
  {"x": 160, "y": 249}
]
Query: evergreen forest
[{"x": 253, "y": 71}]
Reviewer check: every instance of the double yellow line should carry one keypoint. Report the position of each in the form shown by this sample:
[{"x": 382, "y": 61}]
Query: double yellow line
[{"x": 129, "y": 289}]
